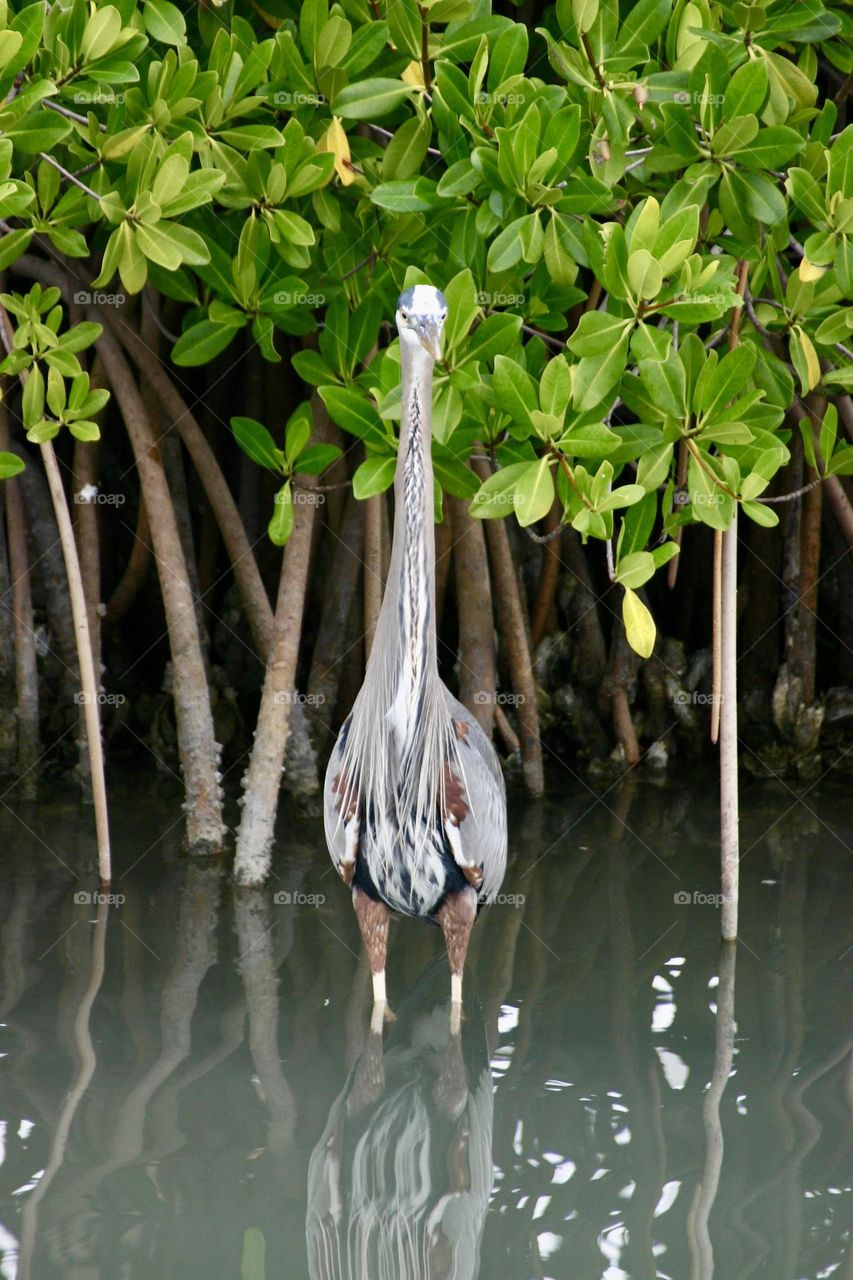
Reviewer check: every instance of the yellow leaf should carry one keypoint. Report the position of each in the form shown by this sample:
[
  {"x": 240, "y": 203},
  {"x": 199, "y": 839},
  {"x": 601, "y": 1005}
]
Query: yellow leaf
[
  {"x": 414, "y": 75},
  {"x": 639, "y": 624},
  {"x": 809, "y": 271},
  {"x": 811, "y": 358},
  {"x": 335, "y": 140}
]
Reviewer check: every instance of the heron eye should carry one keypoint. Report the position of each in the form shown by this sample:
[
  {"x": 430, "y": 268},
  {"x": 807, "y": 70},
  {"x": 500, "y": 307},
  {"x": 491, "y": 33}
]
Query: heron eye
[{"x": 404, "y": 315}]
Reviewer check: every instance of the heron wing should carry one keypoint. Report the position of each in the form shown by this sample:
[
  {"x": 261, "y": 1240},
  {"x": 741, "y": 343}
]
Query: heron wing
[
  {"x": 341, "y": 810},
  {"x": 475, "y": 805}
]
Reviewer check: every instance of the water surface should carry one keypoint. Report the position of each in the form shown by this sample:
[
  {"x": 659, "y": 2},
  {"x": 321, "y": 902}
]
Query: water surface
[{"x": 190, "y": 1092}]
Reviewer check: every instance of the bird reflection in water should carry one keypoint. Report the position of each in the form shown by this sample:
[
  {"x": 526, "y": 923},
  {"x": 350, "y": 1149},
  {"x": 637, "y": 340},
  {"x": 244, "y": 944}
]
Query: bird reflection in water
[{"x": 399, "y": 1183}]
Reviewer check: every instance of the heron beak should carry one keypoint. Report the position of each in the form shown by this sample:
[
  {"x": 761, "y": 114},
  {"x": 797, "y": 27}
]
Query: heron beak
[{"x": 430, "y": 335}]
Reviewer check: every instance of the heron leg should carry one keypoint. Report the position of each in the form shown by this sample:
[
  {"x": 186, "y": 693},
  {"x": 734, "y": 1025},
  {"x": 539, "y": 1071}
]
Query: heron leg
[
  {"x": 373, "y": 919},
  {"x": 456, "y": 915}
]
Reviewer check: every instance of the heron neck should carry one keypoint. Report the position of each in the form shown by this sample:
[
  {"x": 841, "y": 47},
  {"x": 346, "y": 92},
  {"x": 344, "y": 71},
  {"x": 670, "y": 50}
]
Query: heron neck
[{"x": 411, "y": 579}]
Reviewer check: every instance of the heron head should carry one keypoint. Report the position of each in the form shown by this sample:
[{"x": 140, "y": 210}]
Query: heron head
[{"x": 421, "y": 313}]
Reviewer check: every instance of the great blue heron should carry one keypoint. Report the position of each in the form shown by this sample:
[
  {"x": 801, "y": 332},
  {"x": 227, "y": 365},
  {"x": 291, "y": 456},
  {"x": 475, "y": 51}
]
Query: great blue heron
[{"x": 414, "y": 801}]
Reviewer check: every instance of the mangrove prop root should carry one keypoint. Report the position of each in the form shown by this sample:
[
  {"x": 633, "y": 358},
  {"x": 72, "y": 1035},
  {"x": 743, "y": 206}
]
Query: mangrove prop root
[
  {"x": 477, "y": 672},
  {"x": 263, "y": 777},
  {"x": 198, "y": 749},
  {"x": 511, "y": 613}
]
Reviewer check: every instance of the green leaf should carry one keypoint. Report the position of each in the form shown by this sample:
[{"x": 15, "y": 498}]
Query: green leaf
[
  {"x": 354, "y": 413},
  {"x": 55, "y": 392},
  {"x": 644, "y": 274},
  {"x": 283, "y": 517},
  {"x": 375, "y": 475},
  {"x": 634, "y": 570},
  {"x": 12, "y": 245},
  {"x": 252, "y": 137},
  {"x": 256, "y": 442},
  {"x": 734, "y": 135},
  {"x": 664, "y": 380},
  {"x": 82, "y": 429},
  {"x": 508, "y": 55},
  {"x": 507, "y": 247},
  {"x": 533, "y": 496},
  {"x": 32, "y": 401},
  {"x": 746, "y": 91},
  {"x": 639, "y": 624},
  {"x": 42, "y": 431},
  {"x": 492, "y": 337},
  {"x": 293, "y": 228},
  {"x": 462, "y": 307},
  {"x": 101, "y": 33},
  {"x": 38, "y": 131},
  {"x": 828, "y": 432},
  {"x": 81, "y": 336},
  {"x": 597, "y": 333},
  {"x": 312, "y": 368},
  {"x": 653, "y": 467},
  {"x": 317, "y": 458},
  {"x": 709, "y": 503},
  {"x": 297, "y": 433},
  {"x": 719, "y": 383},
  {"x": 761, "y": 514},
  {"x": 561, "y": 265},
  {"x": 406, "y": 150},
  {"x": 772, "y": 149},
  {"x": 414, "y": 195},
  {"x": 676, "y": 238},
  {"x": 592, "y": 440},
  {"x": 201, "y": 342},
  {"x": 10, "y": 44},
  {"x": 596, "y": 376},
  {"x": 164, "y": 22},
  {"x": 495, "y": 497},
  {"x": 585, "y": 13},
  {"x": 10, "y": 465},
  {"x": 644, "y": 23},
  {"x": 515, "y": 388},
  {"x": 555, "y": 387},
  {"x": 369, "y": 99}
]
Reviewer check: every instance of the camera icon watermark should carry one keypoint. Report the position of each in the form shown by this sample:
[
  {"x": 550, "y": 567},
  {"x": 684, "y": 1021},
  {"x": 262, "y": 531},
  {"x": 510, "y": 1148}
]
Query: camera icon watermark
[
  {"x": 499, "y": 99},
  {"x": 486, "y": 299},
  {"x": 483, "y": 696},
  {"x": 97, "y": 297},
  {"x": 98, "y": 98},
  {"x": 283, "y": 298},
  {"x": 683, "y": 498},
  {"x": 301, "y": 498},
  {"x": 102, "y": 699},
  {"x": 698, "y": 899},
  {"x": 83, "y": 898},
  {"x": 682, "y": 96},
  {"x": 696, "y": 699},
  {"x": 284, "y": 98},
  {"x": 286, "y": 898},
  {"x": 289, "y": 697},
  {"x": 91, "y": 495}
]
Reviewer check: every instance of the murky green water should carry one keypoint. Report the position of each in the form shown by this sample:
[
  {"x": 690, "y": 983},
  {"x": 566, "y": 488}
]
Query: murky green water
[{"x": 190, "y": 1092}]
